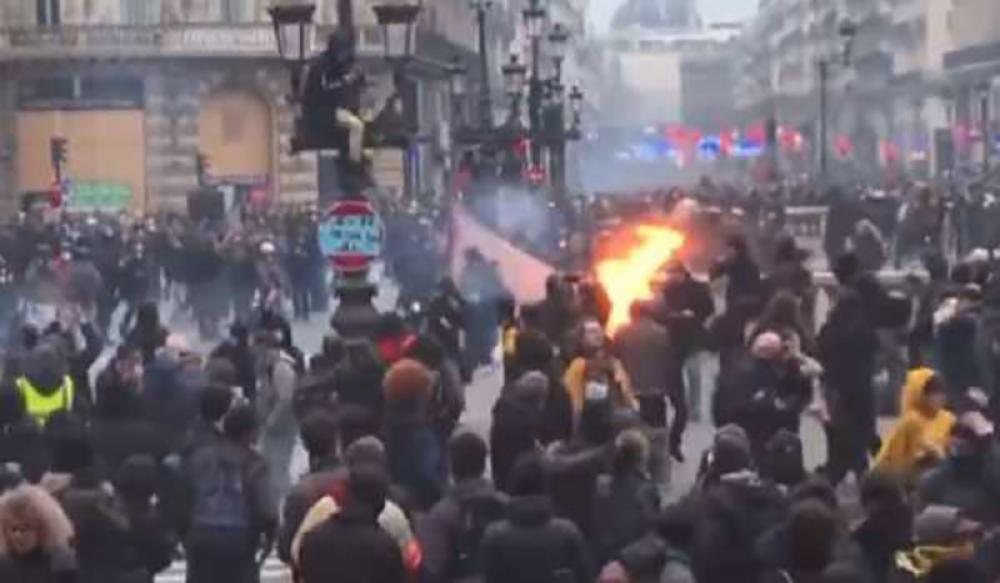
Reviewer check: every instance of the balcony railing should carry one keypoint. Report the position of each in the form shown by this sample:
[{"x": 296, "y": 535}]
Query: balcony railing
[{"x": 167, "y": 41}]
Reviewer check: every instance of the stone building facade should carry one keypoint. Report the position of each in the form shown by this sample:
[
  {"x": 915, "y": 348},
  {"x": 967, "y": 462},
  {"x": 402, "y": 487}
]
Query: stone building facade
[{"x": 140, "y": 88}]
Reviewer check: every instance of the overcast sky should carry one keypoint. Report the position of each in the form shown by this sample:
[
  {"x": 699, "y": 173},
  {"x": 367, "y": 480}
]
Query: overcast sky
[{"x": 601, "y": 11}]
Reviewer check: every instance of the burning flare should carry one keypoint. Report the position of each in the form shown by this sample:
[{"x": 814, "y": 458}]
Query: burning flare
[{"x": 636, "y": 256}]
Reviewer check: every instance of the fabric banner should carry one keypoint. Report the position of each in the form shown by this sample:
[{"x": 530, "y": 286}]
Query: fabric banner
[{"x": 522, "y": 273}]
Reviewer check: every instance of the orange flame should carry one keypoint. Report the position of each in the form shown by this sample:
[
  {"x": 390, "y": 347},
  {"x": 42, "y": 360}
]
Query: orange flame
[{"x": 628, "y": 276}]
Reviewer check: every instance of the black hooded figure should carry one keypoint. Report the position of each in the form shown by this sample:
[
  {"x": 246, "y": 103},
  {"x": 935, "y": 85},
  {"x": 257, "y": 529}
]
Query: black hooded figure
[{"x": 333, "y": 89}]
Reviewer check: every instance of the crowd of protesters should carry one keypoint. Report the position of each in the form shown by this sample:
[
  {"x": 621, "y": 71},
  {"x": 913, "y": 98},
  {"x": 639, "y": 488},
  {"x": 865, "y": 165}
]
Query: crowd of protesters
[{"x": 109, "y": 475}]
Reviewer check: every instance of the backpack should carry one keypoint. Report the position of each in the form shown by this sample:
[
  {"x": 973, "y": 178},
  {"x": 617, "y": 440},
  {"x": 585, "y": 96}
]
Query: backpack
[
  {"x": 220, "y": 492},
  {"x": 475, "y": 515}
]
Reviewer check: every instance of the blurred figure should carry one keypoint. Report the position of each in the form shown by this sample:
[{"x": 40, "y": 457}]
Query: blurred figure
[
  {"x": 413, "y": 448},
  {"x": 647, "y": 355},
  {"x": 531, "y": 544},
  {"x": 231, "y": 520},
  {"x": 686, "y": 306}
]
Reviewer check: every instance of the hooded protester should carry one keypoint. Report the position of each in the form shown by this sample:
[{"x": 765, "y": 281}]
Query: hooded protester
[
  {"x": 148, "y": 334},
  {"x": 644, "y": 349},
  {"x": 36, "y": 538},
  {"x": 517, "y": 419},
  {"x": 350, "y": 547},
  {"x": 231, "y": 520},
  {"x": 452, "y": 532},
  {"x": 413, "y": 448},
  {"x": 848, "y": 350},
  {"x": 531, "y": 545},
  {"x": 46, "y": 386},
  {"x": 920, "y": 437},
  {"x": 626, "y": 502},
  {"x": 962, "y": 480},
  {"x": 734, "y": 508},
  {"x": 887, "y": 525}
]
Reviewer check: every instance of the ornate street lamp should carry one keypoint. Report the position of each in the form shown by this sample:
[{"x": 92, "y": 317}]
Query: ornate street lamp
[
  {"x": 534, "y": 20},
  {"x": 397, "y": 21},
  {"x": 456, "y": 88},
  {"x": 558, "y": 45},
  {"x": 293, "y": 32},
  {"x": 514, "y": 76},
  {"x": 576, "y": 105}
]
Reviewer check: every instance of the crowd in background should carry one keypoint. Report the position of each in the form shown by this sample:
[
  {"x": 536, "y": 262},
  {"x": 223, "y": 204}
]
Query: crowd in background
[{"x": 111, "y": 474}]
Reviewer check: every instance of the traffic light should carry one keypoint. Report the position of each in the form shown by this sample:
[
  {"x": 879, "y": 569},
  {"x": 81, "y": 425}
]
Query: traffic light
[
  {"x": 202, "y": 167},
  {"x": 59, "y": 150}
]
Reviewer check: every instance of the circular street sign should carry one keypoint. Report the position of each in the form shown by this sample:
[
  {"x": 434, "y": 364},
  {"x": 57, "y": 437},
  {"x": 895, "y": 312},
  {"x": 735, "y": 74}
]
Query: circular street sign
[{"x": 350, "y": 235}]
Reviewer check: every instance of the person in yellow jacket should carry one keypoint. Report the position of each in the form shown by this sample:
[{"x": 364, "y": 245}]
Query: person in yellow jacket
[
  {"x": 46, "y": 386},
  {"x": 924, "y": 427},
  {"x": 595, "y": 375}
]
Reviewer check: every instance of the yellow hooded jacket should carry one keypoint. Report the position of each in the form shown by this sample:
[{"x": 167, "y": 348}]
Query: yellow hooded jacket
[{"x": 917, "y": 433}]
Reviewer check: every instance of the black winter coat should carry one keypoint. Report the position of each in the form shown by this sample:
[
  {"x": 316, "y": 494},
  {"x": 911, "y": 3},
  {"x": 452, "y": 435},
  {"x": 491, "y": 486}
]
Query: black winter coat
[
  {"x": 532, "y": 546},
  {"x": 441, "y": 531},
  {"x": 351, "y": 548},
  {"x": 39, "y": 567},
  {"x": 514, "y": 432}
]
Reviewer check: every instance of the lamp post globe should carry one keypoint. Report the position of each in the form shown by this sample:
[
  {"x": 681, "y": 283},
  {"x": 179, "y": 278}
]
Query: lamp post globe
[
  {"x": 397, "y": 22},
  {"x": 558, "y": 44},
  {"x": 514, "y": 75},
  {"x": 534, "y": 19},
  {"x": 293, "y": 33}
]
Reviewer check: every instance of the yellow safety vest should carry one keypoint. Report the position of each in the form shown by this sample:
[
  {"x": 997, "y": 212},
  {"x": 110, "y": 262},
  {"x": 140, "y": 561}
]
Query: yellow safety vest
[{"x": 41, "y": 406}]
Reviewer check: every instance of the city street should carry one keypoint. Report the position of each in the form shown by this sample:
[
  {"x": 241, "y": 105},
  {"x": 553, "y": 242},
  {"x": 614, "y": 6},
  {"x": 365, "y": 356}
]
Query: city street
[{"x": 480, "y": 397}]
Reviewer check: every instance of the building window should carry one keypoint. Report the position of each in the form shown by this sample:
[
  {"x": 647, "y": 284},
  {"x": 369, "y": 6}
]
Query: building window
[
  {"x": 233, "y": 11},
  {"x": 48, "y": 12},
  {"x": 141, "y": 12}
]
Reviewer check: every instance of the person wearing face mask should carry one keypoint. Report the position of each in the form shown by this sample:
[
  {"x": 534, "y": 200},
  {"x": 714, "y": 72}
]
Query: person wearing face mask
[
  {"x": 597, "y": 376},
  {"x": 35, "y": 538},
  {"x": 961, "y": 481}
]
